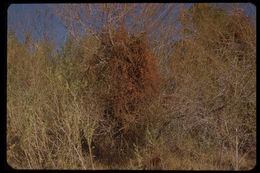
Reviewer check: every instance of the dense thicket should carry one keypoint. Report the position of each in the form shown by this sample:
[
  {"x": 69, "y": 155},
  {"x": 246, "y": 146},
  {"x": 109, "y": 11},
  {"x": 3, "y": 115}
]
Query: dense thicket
[{"x": 117, "y": 99}]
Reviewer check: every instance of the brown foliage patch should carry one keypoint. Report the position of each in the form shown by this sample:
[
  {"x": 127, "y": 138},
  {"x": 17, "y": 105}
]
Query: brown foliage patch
[{"x": 128, "y": 80}]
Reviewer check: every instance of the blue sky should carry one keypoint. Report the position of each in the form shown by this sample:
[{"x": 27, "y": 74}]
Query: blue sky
[{"x": 33, "y": 17}]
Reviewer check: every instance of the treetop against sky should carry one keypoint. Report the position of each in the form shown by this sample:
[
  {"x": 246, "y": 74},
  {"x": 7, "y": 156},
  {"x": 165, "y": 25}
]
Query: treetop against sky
[{"x": 45, "y": 19}]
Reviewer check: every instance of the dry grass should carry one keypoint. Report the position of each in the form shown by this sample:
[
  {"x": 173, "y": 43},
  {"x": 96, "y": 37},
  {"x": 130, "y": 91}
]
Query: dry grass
[{"x": 105, "y": 104}]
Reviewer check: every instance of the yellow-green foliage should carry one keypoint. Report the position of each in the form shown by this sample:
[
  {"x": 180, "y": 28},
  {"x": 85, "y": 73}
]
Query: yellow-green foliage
[
  {"x": 215, "y": 74},
  {"x": 203, "y": 118}
]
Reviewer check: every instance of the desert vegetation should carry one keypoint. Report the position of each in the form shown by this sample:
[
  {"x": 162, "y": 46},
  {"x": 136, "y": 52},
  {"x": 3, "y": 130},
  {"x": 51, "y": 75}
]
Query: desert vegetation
[{"x": 140, "y": 91}]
